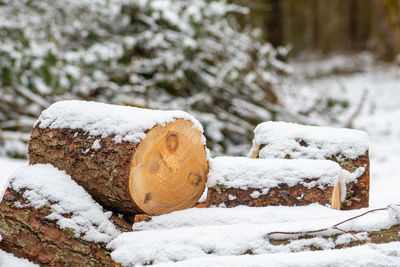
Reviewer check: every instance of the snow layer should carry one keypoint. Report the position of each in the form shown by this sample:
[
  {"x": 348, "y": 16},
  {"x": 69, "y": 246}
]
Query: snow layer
[
  {"x": 7, "y": 166},
  {"x": 382, "y": 255},
  {"x": 99, "y": 119},
  {"x": 244, "y": 173},
  {"x": 283, "y": 138},
  {"x": 47, "y": 186},
  {"x": 265, "y": 215},
  {"x": 211, "y": 237},
  {"x": 384, "y": 129},
  {"x": 9, "y": 260}
]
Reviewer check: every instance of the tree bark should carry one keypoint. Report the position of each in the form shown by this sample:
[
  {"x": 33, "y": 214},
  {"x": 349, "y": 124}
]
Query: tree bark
[
  {"x": 166, "y": 171},
  {"x": 357, "y": 193},
  {"x": 375, "y": 237},
  {"x": 28, "y": 234},
  {"x": 284, "y": 195}
]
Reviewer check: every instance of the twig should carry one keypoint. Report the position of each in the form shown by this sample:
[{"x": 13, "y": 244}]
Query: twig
[
  {"x": 9, "y": 135},
  {"x": 18, "y": 123},
  {"x": 357, "y": 111},
  {"x": 299, "y": 232},
  {"x": 340, "y": 229},
  {"x": 335, "y": 227},
  {"x": 358, "y": 216},
  {"x": 232, "y": 118},
  {"x": 31, "y": 96}
]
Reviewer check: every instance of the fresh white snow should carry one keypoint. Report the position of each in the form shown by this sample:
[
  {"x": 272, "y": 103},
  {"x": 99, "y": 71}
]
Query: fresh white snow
[
  {"x": 99, "y": 119},
  {"x": 243, "y": 214},
  {"x": 379, "y": 118},
  {"x": 46, "y": 185},
  {"x": 382, "y": 255},
  {"x": 9, "y": 260},
  {"x": 244, "y": 173},
  {"x": 180, "y": 241},
  {"x": 7, "y": 167},
  {"x": 283, "y": 138},
  {"x": 96, "y": 145}
]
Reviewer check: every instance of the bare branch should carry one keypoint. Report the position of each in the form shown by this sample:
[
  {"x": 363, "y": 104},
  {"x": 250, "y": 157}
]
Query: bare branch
[
  {"x": 32, "y": 97},
  {"x": 335, "y": 227},
  {"x": 358, "y": 109}
]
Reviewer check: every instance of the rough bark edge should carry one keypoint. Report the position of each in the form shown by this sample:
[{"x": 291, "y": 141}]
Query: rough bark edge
[
  {"x": 108, "y": 185},
  {"x": 297, "y": 195},
  {"x": 357, "y": 193},
  {"x": 28, "y": 234},
  {"x": 375, "y": 237}
]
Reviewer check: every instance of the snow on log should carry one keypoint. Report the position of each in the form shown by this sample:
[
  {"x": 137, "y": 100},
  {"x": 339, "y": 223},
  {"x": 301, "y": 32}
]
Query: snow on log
[
  {"x": 49, "y": 219},
  {"x": 234, "y": 181},
  {"x": 130, "y": 160},
  {"x": 348, "y": 147},
  {"x": 217, "y": 232},
  {"x": 365, "y": 255}
]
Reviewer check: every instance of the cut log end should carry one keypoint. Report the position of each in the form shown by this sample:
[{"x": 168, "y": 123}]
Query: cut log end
[{"x": 169, "y": 168}]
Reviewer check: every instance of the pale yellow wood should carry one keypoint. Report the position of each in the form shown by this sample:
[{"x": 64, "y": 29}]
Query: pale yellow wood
[
  {"x": 169, "y": 168},
  {"x": 255, "y": 153},
  {"x": 335, "y": 201}
]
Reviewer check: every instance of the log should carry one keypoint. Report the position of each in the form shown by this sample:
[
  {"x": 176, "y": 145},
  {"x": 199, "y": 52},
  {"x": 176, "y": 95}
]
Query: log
[
  {"x": 49, "y": 219},
  {"x": 348, "y": 147},
  {"x": 28, "y": 234},
  {"x": 234, "y": 181},
  {"x": 130, "y": 160},
  {"x": 382, "y": 236}
]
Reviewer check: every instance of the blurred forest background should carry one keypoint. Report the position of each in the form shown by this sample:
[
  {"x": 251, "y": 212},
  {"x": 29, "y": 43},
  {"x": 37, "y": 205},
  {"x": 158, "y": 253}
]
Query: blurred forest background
[
  {"x": 330, "y": 26},
  {"x": 231, "y": 64}
]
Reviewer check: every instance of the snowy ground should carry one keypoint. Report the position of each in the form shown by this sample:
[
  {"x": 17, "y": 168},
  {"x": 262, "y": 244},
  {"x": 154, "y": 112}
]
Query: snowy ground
[
  {"x": 215, "y": 237},
  {"x": 379, "y": 116}
]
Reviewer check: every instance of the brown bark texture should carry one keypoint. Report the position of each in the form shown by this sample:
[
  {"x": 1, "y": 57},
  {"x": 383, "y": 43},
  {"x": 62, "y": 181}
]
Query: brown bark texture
[
  {"x": 102, "y": 172},
  {"x": 357, "y": 193},
  {"x": 28, "y": 234},
  {"x": 165, "y": 172},
  {"x": 284, "y": 195},
  {"x": 375, "y": 237}
]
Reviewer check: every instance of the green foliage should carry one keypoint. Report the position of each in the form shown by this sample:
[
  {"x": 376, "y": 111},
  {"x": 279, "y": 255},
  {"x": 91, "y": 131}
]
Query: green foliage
[{"x": 183, "y": 54}]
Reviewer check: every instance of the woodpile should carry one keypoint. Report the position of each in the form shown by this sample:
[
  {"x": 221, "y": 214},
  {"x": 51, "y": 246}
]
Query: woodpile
[
  {"x": 49, "y": 219},
  {"x": 138, "y": 162},
  {"x": 27, "y": 233},
  {"x": 130, "y": 160},
  {"x": 272, "y": 182},
  {"x": 349, "y": 148}
]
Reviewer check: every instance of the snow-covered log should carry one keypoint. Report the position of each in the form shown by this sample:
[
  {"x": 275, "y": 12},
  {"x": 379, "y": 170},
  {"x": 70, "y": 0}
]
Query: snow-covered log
[
  {"x": 130, "y": 160},
  {"x": 49, "y": 219},
  {"x": 348, "y": 147},
  {"x": 234, "y": 181},
  {"x": 196, "y": 234}
]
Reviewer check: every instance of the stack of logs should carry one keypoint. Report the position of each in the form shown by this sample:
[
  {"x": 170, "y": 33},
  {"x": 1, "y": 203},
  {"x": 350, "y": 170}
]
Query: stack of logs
[
  {"x": 160, "y": 173},
  {"x": 280, "y": 140}
]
